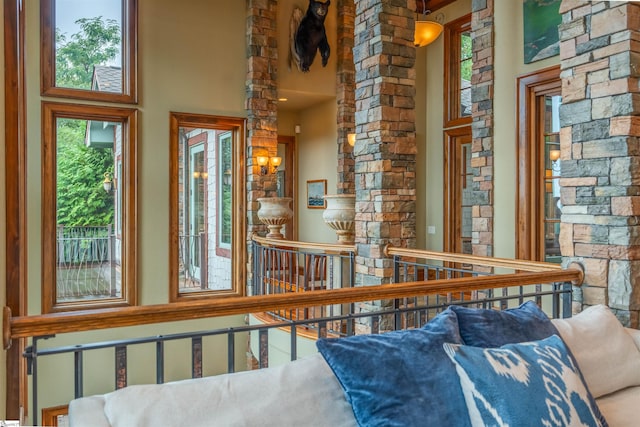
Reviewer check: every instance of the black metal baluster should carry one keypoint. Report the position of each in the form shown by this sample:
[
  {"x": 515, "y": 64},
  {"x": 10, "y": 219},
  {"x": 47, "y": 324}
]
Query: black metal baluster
[{"x": 159, "y": 362}]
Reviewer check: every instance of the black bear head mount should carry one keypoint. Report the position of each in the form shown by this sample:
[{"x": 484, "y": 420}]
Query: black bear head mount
[{"x": 307, "y": 35}]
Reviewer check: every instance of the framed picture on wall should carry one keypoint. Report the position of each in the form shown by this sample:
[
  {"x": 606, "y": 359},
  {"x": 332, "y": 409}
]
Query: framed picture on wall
[
  {"x": 541, "y": 20},
  {"x": 316, "y": 189}
]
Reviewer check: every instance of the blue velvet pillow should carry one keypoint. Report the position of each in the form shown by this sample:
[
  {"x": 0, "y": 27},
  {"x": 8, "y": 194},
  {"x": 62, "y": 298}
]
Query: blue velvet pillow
[
  {"x": 528, "y": 384},
  {"x": 400, "y": 378},
  {"x": 493, "y": 328}
]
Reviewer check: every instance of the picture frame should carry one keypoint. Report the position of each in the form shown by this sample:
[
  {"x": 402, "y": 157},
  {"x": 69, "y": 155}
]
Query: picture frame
[
  {"x": 316, "y": 189},
  {"x": 541, "y": 38}
]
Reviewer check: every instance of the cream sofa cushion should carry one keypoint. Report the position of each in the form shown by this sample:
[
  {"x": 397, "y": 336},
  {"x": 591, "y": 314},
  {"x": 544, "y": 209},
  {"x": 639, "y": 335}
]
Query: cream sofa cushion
[
  {"x": 300, "y": 393},
  {"x": 620, "y": 409},
  {"x": 606, "y": 354}
]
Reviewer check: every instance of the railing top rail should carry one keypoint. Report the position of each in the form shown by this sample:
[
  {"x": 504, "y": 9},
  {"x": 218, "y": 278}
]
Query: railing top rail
[
  {"x": 516, "y": 264},
  {"x": 54, "y": 323},
  {"x": 290, "y": 244}
]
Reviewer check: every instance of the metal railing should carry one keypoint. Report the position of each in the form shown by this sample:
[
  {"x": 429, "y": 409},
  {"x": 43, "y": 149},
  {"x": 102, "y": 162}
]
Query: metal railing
[{"x": 443, "y": 280}]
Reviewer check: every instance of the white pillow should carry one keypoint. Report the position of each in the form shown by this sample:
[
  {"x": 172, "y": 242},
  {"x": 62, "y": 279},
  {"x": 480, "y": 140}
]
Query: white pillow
[{"x": 605, "y": 352}]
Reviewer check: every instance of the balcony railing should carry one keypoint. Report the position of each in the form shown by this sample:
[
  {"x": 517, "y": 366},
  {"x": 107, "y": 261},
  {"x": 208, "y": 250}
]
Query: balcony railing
[{"x": 444, "y": 279}]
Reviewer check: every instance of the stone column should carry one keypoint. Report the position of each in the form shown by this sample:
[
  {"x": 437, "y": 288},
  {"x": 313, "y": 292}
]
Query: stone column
[
  {"x": 385, "y": 121},
  {"x": 261, "y": 102},
  {"x": 482, "y": 80},
  {"x": 345, "y": 95},
  {"x": 600, "y": 126},
  {"x": 261, "y": 107}
]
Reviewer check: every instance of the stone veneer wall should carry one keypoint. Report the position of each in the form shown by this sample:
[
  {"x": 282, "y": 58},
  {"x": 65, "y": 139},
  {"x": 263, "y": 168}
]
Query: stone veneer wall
[
  {"x": 482, "y": 81},
  {"x": 345, "y": 95},
  {"x": 261, "y": 106},
  {"x": 261, "y": 101},
  {"x": 385, "y": 150},
  {"x": 600, "y": 129}
]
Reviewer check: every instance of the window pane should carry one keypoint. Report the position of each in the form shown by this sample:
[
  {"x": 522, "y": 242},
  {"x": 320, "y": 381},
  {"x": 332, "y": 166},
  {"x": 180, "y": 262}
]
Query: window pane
[
  {"x": 224, "y": 170},
  {"x": 88, "y": 45},
  {"x": 204, "y": 209},
  {"x": 466, "y": 64},
  {"x": 88, "y": 195},
  {"x": 552, "y": 205}
]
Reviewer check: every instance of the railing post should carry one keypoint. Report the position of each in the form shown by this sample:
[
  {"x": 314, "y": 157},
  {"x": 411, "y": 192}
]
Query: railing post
[
  {"x": 78, "y": 375},
  {"x": 121, "y": 367},
  {"x": 196, "y": 357},
  {"x": 159, "y": 362}
]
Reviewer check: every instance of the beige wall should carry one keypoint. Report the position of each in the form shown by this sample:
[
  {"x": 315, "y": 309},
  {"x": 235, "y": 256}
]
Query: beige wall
[{"x": 317, "y": 159}]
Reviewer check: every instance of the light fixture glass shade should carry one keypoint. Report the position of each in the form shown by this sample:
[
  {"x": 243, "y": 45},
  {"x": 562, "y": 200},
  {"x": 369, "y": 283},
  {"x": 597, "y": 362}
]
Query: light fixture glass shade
[
  {"x": 554, "y": 155},
  {"x": 351, "y": 139},
  {"x": 262, "y": 160},
  {"x": 106, "y": 184},
  {"x": 426, "y": 32},
  {"x": 276, "y": 161}
]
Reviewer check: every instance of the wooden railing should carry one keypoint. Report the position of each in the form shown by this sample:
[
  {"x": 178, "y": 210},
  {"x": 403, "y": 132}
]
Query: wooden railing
[{"x": 86, "y": 320}]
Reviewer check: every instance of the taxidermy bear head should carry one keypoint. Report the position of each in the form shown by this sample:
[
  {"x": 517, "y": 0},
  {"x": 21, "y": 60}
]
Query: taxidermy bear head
[{"x": 308, "y": 35}]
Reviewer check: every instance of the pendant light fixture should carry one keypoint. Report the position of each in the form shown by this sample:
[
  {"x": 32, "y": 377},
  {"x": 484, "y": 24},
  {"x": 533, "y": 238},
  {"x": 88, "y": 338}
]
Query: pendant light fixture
[{"x": 426, "y": 31}]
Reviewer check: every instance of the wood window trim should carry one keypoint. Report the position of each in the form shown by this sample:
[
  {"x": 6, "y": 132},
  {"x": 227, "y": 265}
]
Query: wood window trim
[
  {"x": 51, "y": 111},
  {"x": 16, "y": 204},
  {"x": 238, "y": 238},
  {"x": 451, "y": 195},
  {"x": 528, "y": 209},
  {"x": 129, "y": 57},
  {"x": 452, "y": 33}
]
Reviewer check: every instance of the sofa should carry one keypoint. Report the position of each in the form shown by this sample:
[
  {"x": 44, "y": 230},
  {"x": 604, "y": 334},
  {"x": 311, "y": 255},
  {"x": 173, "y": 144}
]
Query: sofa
[{"x": 465, "y": 367}]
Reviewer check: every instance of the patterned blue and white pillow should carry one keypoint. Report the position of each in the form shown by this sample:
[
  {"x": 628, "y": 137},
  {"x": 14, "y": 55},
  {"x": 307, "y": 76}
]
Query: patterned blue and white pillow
[{"x": 528, "y": 384}]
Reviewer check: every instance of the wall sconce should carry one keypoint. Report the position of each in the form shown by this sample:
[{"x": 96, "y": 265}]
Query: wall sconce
[
  {"x": 351, "y": 139},
  {"x": 554, "y": 155},
  {"x": 226, "y": 177},
  {"x": 107, "y": 184},
  {"x": 263, "y": 162}
]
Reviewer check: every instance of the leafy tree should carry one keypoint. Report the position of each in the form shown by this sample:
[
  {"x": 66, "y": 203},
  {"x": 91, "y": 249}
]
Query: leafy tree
[
  {"x": 81, "y": 198},
  {"x": 80, "y": 169},
  {"x": 97, "y": 43}
]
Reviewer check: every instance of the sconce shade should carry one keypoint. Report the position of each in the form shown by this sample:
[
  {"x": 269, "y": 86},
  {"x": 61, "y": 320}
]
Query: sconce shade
[
  {"x": 351, "y": 139},
  {"x": 262, "y": 160},
  {"x": 554, "y": 155},
  {"x": 276, "y": 161},
  {"x": 426, "y": 32}
]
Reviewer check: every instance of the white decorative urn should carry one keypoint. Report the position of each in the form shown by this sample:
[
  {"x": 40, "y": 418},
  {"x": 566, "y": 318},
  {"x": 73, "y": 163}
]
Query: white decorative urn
[
  {"x": 275, "y": 213},
  {"x": 340, "y": 215}
]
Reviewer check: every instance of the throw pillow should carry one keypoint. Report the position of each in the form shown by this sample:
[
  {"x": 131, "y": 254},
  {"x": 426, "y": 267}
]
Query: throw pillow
[
  {"x": 493, "y": 328},
  {"x": 400, "y": 378},
  {"x": 528, "y": 384},
  {"x": 605, "y": 352}
]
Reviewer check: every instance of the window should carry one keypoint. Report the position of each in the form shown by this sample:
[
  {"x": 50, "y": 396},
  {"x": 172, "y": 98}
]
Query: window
[
  {"x": 457, "y": 74},
  {"x": 538, "y": 210},
  {"x": 458, "y": 190},
  {"x": 206, "y": 248},
  {"x": 88, "y": 206},
  {"x": 89, "y": 49}
]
